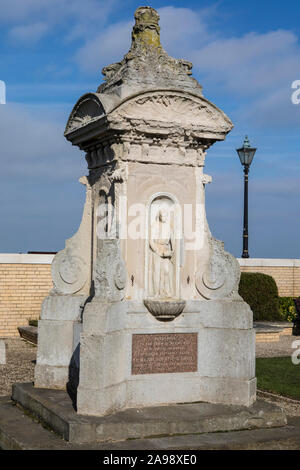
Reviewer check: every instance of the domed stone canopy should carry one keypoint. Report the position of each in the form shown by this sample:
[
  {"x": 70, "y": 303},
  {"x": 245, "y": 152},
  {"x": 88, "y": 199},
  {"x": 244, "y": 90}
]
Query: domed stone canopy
[{"x": 147, "y": 88}]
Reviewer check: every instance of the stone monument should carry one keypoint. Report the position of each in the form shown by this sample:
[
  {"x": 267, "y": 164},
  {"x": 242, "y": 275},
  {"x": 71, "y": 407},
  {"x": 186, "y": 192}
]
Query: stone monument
[{"x": 145, "y": 308}]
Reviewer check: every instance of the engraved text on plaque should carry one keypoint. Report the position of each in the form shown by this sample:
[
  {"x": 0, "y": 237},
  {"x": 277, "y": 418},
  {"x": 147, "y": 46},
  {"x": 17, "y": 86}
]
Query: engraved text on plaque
[{"x": 164, "y": 353}]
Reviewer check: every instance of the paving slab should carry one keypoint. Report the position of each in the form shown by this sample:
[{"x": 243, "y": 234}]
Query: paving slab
[
  {"x": 267, "y": 327},
  {"x": 54, "y": 408},
  {"x": 18, "y": 431}
]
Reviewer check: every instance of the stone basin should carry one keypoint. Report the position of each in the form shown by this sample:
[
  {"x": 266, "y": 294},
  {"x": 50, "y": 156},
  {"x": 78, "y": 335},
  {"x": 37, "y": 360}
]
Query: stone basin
[{"x": 165, "y": 310}]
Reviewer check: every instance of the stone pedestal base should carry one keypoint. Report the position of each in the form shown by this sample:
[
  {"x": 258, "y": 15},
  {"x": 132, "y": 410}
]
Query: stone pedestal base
[
  {"x": 54, "y": 408},
  {"x": 129, "y": 359},
  {"x": 58, "y": 340}
]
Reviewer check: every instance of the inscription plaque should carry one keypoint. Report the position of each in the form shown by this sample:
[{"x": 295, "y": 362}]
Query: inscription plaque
[{"x": 161, "y": 353}]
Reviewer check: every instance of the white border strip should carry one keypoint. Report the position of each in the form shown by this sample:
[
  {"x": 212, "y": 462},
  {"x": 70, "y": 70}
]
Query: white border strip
[
  {"x": 24, "y": 258},
  {"x": 268, "y": 262}
]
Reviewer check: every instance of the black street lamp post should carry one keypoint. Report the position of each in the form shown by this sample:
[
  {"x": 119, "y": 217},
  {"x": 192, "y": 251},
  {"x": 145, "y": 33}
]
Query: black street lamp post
[{"x": 246, "y": 154}]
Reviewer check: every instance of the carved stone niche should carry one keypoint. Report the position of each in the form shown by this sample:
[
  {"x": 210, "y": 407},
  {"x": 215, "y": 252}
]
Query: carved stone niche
[{"x": 163, "y": 257}]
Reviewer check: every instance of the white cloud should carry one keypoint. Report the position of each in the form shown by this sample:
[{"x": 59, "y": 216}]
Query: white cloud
[
  {"x": 259, "y": 67},
  {"x": 272, "y": 110},
  {"x": 20, "y": 10},
  {"x": 107, "y": 47},
  {"x": 285, "y": 187},
  {"x": 29, "y": 34},
  {"x": 38, "y": 147},
  {"x": 250, "y": 64},
  {"x": 255, "y": 68},
  {"x": 41, "y": 198},
  {"x": 180, "y": 27},
  {"x": 78, "y": 18}
]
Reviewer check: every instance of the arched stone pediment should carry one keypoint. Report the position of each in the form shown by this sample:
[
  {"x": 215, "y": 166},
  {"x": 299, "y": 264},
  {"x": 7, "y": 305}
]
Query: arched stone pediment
[
  {"x": 87, "y": 109},
  {"x": 176, "y": 108},
  {"x": 155, "y": 111}
]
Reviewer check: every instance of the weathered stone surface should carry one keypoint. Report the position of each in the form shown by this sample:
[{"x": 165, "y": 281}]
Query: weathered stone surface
[
  {"x": 58, "y": 340},
  {"x": 63, "y": 307},
  {"x": 218, "y": 272},
  {"x": 2, "y": 352},
  {"x": 19, "y": 432},
  {"x": 226, "y": 346},
  {"x": 110, "y": 271},
  {"x": 54, "y": 409},
  {"x": 135, "y": 69}
]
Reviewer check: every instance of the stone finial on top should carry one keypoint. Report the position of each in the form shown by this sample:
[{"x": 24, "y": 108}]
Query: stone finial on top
[
  {"x": 147, "y": 64},
  {"x": 146, "y": 29}
]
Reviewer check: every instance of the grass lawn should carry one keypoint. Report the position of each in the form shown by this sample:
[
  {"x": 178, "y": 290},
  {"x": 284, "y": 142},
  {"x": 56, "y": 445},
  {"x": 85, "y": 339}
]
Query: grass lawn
[{"x": 278, "y": 375}]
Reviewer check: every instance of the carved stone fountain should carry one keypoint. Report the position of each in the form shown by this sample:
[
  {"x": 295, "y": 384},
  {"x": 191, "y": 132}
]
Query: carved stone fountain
[{"x": 145, "y": 307}]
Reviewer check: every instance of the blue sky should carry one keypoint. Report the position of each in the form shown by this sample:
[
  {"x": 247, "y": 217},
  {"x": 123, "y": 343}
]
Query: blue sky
[{"x": 246, "y": 56}]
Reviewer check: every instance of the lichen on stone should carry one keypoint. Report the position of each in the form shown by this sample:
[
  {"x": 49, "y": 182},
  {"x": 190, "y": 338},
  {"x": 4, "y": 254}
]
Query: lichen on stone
[{"x": 147, "y": 63}]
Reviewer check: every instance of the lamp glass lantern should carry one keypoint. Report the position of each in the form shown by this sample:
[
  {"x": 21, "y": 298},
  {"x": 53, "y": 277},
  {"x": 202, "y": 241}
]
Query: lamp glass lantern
[{"x": 246, "y": 153}]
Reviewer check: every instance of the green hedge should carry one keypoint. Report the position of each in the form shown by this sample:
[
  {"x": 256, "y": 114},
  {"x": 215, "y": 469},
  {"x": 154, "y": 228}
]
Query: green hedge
[
  {"x": 261, "y": 293},
  {"x": 287, "y": 309}
]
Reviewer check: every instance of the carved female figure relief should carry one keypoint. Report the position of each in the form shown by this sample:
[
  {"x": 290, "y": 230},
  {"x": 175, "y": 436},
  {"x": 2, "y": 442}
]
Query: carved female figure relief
[
  {"x": 162, "y": 251},
  {"x": 162, "y": 254}
]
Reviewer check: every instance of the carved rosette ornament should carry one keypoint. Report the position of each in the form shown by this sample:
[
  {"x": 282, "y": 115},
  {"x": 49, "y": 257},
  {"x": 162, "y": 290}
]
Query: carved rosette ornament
[{"x": 69, "y": 272}]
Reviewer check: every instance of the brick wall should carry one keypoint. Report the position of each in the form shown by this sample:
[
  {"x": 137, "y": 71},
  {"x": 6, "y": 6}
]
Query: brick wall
[
  {"x": 25, "y": 280},
  {"x": 286, "y": 273}
]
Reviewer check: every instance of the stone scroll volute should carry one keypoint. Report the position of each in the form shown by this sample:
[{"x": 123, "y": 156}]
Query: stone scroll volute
[
  {"x": 218, "y": 273},
  {"x": 71, "y": 266}
]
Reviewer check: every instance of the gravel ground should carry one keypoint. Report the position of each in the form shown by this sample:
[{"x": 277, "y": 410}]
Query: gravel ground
[
  {"x": 19, "y": 367},
  {"x": 290, "y": 407},
  {"x": 280, "y": 348},
  {"x": 20, "y": 361}
]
